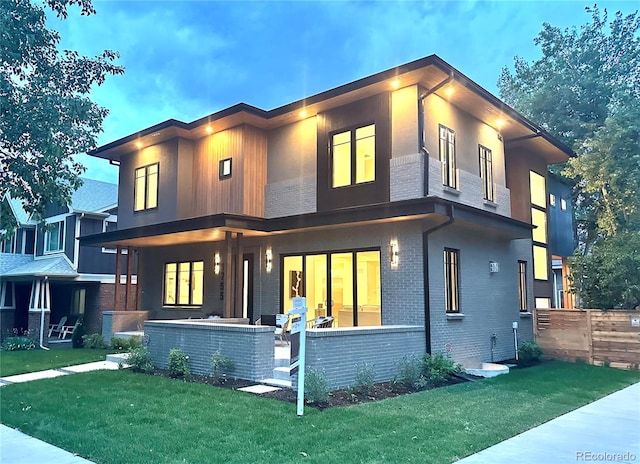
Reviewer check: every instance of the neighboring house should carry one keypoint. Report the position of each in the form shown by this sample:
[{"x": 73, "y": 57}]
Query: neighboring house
[
  {"x": 562, "y": 239},
  {"x": 404, "y": 198},
  {"x": 45, "y": 268}
]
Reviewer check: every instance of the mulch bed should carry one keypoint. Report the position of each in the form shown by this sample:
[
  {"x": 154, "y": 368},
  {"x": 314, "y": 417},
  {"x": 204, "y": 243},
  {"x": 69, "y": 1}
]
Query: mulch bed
[{"x": 337, "y": 398}]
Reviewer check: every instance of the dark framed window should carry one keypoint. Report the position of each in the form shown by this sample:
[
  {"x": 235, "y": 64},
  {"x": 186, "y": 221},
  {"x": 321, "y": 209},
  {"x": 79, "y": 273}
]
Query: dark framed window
[
  {"x": 183, "y": 283},
  {"x": 522, "y": 285},
  {"x": 448, "y": 156},
  {"x": 486, "y": 173},
  {"x": 145, "y": 190},
  {"x": 353, "y": 156},
  {"x": 224, "y": 168},
  {"x": 452, "y": 280},
  {"x": 54, "y": 237}
]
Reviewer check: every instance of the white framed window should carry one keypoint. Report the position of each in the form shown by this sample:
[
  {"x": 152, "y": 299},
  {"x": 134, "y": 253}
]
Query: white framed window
[
  {"x": 54, "y": 237},
  {"x": 145, "y": 190},
  {"x": 448, "y": 156},
  {"x": 552, "y": 199}
]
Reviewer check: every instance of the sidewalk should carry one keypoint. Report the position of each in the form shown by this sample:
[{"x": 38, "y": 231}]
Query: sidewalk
[{"x": 607, "y": 430}]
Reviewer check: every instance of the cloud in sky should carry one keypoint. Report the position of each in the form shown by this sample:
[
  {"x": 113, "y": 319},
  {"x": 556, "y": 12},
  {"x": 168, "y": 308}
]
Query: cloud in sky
[{"x": 187, "y": 59}]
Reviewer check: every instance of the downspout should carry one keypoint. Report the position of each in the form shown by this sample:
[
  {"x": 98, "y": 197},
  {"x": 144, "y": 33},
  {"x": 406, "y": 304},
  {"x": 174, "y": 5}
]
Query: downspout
[
  {"x": 425, "y": 262},
  {"x": 421, "y": 141},
  {"x": 42, "y": 308}
]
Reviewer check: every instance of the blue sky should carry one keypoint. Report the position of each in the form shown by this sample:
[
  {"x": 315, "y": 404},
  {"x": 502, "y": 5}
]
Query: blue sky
[{"x": 187, "y": 59}]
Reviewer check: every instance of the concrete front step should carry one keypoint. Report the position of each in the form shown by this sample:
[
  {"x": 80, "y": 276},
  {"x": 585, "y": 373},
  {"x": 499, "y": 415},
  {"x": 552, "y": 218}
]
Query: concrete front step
[
  {"x": 117, "y": 358},
  {"x": 282, "y": 373},
  {"x": 277, "y": 383},
  {"x": 281, "y": 362}
]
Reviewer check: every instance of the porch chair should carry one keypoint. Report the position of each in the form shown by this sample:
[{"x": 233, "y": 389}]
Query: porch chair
[
  {"x": 323, "y": 323},
  {"x": 57, "y": 328},
  {"x": 68, "y": 329},
  {"x": 282, "y": 320}
]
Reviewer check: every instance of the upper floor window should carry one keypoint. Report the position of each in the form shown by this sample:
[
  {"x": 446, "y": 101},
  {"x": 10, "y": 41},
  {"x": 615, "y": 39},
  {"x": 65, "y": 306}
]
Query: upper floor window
[
  {"x": 448, "y": 157},
  {"x": 146, "y": 187},
  {"x": 54, "y": 237},
  {"x": 522, "y": 285},
  {"x": 563, "y": 204},
  {"x": 538, "y": 189},
  {"x": 8, "y": 245},
  {"x": 552, "y": 199},
  {"x": 452, "y": 280},
  {"x": 183, "y": 284},
  {"x": 353, "y": 155},
  {"x": 486, "y": 173}
]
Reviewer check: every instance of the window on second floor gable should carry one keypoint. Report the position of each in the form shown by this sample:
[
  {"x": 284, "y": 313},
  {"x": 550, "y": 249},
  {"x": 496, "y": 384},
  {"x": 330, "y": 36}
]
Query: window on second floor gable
[
  {"x": 353, "y": 156},
  {"x": 146, "y": 188},
  {"x": 448, "y": 157},
  {"x": 54, "y": 237},
  {"x": 486, "y": 173}
]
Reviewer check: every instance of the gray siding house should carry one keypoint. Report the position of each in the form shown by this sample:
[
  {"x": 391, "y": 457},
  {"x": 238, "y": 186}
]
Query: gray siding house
[{"x": 411, "y": 198}]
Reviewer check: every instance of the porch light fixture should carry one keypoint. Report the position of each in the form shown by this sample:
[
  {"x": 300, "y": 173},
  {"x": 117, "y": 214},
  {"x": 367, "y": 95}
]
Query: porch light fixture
[
  {"x": 500, "y": 123},
  {"x": 449, "y": 91},
  {"x": 138, "y": 144},
  {"x": 217, "y": 264},
  {"x": 395, "y": 83},
  {"x": 209, "y": 129},
  {"x": 268, "y": 259},
  {"x": 302, "y": 113},
  {"x": 393, "y": 253}
]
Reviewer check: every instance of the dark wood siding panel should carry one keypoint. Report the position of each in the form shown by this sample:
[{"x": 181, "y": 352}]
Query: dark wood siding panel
[
  {"x": 376, "y": 109},
  {"x": 254, "y": 170},
  {"x": 70, "y": 237}
]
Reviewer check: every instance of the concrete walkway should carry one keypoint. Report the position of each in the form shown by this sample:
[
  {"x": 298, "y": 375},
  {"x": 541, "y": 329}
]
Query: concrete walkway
[{"x": 607, "y": 430}]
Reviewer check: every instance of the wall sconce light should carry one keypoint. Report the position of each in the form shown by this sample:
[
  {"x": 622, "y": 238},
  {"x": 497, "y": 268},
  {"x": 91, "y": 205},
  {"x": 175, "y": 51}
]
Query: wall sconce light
[
  {"x": 393, "y": 253},
  {"x": 268, "y": 259},
  {"x": 217, "y": 264}
]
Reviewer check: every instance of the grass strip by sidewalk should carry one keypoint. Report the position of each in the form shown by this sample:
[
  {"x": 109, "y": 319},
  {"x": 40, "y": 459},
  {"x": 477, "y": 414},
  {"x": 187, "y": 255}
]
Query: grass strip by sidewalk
[
  {"x": 121, "y": 417},
  {"x": 21, "y": 362}
]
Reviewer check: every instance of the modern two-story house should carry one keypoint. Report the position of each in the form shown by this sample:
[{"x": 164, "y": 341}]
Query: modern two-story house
[
  {"x": 411, "y": 197},
  {"x": 45, "y": 271}
]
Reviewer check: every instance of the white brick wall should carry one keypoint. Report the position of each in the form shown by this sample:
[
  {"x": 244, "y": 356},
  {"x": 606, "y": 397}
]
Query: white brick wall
[
  {"x": 407, "y": 177},
  {"x": 290, "y": 197}
]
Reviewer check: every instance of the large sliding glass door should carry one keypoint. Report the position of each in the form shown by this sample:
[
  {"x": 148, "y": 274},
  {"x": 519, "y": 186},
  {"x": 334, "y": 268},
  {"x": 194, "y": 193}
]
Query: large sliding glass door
[{"x": 351, "y": 278}]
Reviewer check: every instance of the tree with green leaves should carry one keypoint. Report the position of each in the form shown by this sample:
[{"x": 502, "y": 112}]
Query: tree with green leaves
[
  {"x": 46, "y": 115},
  {"x": 585, "y": 89}
]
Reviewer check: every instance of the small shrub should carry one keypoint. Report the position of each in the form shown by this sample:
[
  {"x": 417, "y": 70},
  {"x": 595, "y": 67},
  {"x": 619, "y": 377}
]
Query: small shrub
[
  {"x": 316, "y": 390},
  {"x": 411, "y": 373},
  {"x": 93, "y": 341},
  {"x": 529, "y": 353},
  {"x": 125, "y": 344},
  {"x": 220, "y": 366},
  {"x": 606, "y": 363},
  {"x": 438, "y": 368},
  {"x": 179, "y": 364},
  {"x": 365, "y": 378},
  {"x": 20, "y": 343},
  {"x": 140, "y": 360}
]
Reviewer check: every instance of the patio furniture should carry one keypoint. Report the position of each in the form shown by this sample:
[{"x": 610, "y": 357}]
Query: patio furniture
[
  {"x": 323, "y": 323},
  {"x": 281, "y": 327},
  {"x": 68, "y": 329},
  {"x": 57, "y": 328}
]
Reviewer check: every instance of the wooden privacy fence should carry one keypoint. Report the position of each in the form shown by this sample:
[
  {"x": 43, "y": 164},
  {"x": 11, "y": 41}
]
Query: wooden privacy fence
[{"x": 592, "y": 335}]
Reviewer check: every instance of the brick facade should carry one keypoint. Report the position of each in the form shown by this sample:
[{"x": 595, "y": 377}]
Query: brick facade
[{"x": 35, "y": 322}]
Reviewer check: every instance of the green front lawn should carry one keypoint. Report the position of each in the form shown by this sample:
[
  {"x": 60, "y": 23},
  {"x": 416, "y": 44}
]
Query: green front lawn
[
  {"x": 122, "y": 417},
  {"x": 20, "y": 362}
]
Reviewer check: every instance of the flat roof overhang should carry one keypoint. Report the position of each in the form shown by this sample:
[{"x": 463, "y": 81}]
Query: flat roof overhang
[
  {"x": 429, "y": 73},
  {"x": 213, "y": 228}
]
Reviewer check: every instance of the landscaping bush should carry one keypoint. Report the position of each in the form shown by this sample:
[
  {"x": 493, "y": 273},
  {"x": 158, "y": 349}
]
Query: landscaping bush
[
  {"x": 125, "y": 344},
  {"x": 365, "y": 378},
  {"x": 220, "y": 366},
  {"x": 438, "y": 368},
  {"x": 20, "y": 343},
  {"x": 529, "y": 353},
  {"x": 411, "y": 373},
  {"x": 140, "y": 360},
  {"x": 93, "y": 341},
  {"x": 179, "y": 364},
  {"x": 316, "y": 390}
]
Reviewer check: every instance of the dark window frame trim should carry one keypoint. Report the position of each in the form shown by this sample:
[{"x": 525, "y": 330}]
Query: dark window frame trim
[
  {"x": 352, "y": 141},
  {"x": 146, "y": 187},
  {"x": 488, "y": 162},
  {"x": 448, "y": 294},
  {"x": 523, "y": 293},
  {"x": 189, "y": 305},
  {"x": 221, "y": 175},
  {"x": 448, "y": 158}
]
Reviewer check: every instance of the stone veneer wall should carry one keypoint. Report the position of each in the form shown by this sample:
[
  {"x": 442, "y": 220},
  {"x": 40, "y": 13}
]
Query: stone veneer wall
[
  {"x": 251, "y": 347},
  {"x": 338, "y": 351},
  {"x": 121, "y": 321}
]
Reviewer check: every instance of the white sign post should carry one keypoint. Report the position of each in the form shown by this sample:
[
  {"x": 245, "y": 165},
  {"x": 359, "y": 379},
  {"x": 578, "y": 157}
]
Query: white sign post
[{"x": 298, "y": 345}]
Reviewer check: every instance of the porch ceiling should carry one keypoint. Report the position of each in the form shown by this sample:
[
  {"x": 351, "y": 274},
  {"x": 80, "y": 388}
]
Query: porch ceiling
[{"x": 213, "y": 228}]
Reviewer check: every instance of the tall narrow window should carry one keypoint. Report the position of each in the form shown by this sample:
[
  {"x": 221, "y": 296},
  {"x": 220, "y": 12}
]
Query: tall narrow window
[
  {"x": 448, "y": 157},
  {"x": 538, "y": 191},
  {"x": 486, "y": 173},
  {"x": 183, "y": 283},
  {"x": 452, "y": 280},
  {"x": 522, "y": 285},
  {"x": 146, "y": 187},
  {"x": 54, "y": 237},
  {"x": 353, "y": 156}
]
